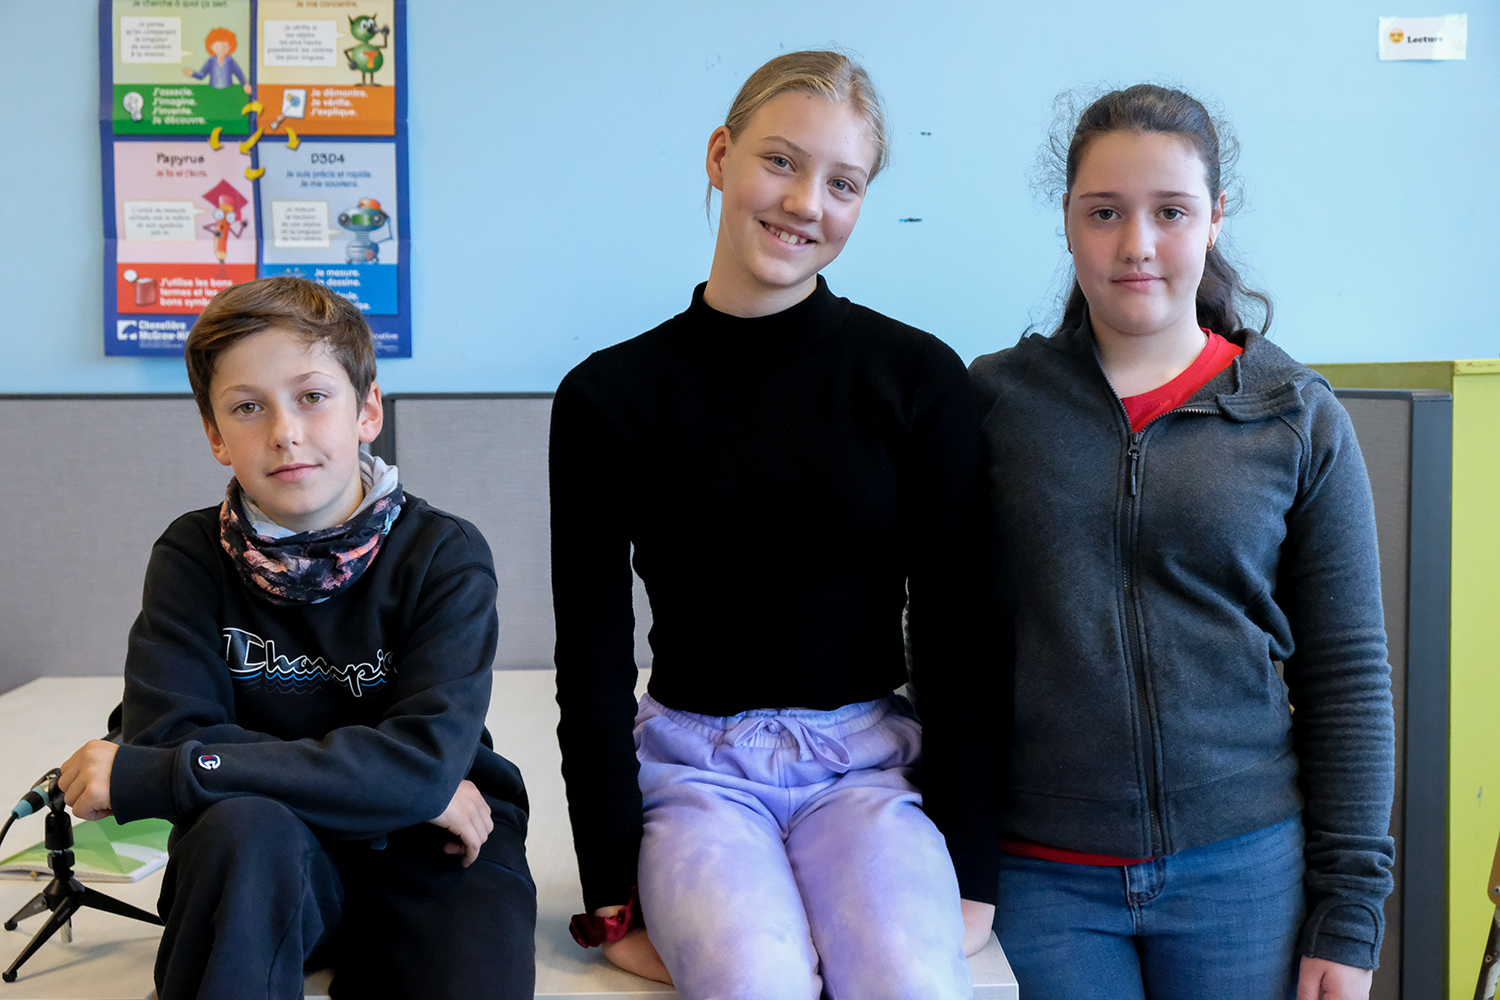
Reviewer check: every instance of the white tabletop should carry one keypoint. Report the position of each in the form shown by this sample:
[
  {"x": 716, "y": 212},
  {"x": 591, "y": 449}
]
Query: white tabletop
[{"x": 110, "y": 957}]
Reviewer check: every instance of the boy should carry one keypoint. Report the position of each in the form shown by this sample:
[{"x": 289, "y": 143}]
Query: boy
[{"x": 305, "y": 692}]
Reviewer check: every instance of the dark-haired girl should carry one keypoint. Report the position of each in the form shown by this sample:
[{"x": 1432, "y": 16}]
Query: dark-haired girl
[{"x": 1200, "y": 767}]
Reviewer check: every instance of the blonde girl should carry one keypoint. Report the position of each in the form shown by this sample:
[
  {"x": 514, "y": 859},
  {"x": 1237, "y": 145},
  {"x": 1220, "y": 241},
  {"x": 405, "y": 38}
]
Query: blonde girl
[{"x": 786, "y": 466}]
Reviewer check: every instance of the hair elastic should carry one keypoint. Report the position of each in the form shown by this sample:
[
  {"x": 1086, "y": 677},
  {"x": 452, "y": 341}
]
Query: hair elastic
[{"x": 591, "y": 931}]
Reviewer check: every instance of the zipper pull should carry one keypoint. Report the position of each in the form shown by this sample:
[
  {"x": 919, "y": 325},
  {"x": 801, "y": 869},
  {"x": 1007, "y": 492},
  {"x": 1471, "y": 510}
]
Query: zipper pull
[{"x": 1135, "y": 460}]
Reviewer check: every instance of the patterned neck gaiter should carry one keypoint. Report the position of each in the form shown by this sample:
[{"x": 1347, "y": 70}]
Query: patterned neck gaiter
[{"x": 311, "y": 566}]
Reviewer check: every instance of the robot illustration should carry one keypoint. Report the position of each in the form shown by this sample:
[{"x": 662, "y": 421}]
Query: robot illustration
[
  {"x": 365, "y": 56},
  {"x": 227, "y": 218},
  {"x": 362, "y": 220}
]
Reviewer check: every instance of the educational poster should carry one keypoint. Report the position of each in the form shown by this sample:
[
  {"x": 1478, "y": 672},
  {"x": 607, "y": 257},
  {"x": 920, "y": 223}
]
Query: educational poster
[
  {"x": 183, "y": 226},
  {"x": 334, "y": 217},
  {"x": 180, "y": 67},
  {"x": 329, "y": 66},
  {"x": 249, "y": 138}
]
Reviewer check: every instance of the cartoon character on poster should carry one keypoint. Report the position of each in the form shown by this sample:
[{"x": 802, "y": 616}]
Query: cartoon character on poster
[
  {"x": 184, "y": 226},
  {"x": 226, "y": 217},
  {"x": 177, "y": 67},
  {"x": 342, "y": 66},
  {"x": 365, "y": 56},
  {"x": 362, "y": 220},
  {"x": 332, "y": 213},
  {"x": 220, "y": 68}
]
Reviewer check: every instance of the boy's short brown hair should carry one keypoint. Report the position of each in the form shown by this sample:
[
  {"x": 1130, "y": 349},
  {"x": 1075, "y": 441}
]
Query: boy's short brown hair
[{"x": 303, "y": 308}]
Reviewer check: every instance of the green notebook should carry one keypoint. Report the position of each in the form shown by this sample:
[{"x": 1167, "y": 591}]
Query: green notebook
[{"x": 103, "y": 851}]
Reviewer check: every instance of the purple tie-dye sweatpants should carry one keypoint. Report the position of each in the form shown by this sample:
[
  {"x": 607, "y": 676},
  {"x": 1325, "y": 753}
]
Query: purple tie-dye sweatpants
[{"x": 786, "y": 855}]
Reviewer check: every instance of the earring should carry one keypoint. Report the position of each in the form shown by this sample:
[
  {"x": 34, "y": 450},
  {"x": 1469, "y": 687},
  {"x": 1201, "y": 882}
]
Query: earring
[{"x": 1210, "y": 244}]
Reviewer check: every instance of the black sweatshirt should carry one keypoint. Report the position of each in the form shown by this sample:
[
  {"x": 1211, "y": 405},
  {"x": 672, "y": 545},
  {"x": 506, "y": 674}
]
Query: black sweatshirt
[
  {"x": 783, "y": 480},
  {"x": 361, "y": 713}
]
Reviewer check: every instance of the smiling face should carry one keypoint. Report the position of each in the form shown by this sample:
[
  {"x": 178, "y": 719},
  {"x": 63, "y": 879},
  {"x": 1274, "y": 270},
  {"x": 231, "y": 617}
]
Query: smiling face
[
  {"x": 1139, "y": 218},
  {"x": 792, "y": 185},
  {"x": 290, "y": 426}
]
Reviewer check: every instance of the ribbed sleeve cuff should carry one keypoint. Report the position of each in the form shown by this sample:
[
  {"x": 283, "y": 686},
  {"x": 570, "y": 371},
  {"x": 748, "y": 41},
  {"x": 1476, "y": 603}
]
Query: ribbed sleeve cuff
[
  {"x": 605, "y": 894},
  {"x": 141, "y": 783},
  {"x": 1344, "y": 932},
  {"x": 608, "y": 880}
]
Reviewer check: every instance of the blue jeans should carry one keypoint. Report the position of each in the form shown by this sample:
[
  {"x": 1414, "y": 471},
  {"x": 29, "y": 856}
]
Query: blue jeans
[{"x": 1215, "y": 921}]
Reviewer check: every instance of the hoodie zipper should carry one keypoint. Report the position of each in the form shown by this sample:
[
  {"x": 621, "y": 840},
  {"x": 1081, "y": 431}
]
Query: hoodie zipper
[
  {"x": 1135, "y": 647},
  {"x": 1135, "y": 652}
]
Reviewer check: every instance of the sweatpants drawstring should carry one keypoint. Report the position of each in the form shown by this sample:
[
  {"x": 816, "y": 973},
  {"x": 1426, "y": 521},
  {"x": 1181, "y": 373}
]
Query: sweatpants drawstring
[{"x": 811, "y": 744}]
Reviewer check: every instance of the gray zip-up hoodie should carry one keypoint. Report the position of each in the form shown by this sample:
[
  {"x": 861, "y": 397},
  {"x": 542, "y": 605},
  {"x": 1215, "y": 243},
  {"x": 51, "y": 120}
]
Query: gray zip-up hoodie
[{"x": 1150, "y": 582}]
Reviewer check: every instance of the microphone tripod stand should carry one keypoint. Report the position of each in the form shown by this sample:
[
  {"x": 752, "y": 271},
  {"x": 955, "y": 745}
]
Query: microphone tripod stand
[{"x": 64, "y": 895}]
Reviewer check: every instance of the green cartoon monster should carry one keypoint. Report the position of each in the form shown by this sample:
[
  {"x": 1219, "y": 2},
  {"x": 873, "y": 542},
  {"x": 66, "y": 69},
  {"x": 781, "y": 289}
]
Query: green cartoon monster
[{"x": 367, "y": 57}]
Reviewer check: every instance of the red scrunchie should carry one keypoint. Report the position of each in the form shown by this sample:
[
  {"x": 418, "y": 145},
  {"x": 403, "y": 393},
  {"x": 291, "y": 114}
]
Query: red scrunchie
[{"x": 591, "y": 931}]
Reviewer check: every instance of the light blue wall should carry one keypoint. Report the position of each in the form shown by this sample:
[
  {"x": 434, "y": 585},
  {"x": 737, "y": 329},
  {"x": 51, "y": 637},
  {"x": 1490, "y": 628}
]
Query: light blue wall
[{"x": 557, "y": 179}]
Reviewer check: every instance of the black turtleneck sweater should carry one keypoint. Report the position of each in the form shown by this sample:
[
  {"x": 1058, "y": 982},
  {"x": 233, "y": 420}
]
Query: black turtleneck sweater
[{"x": 784, "y": 480}]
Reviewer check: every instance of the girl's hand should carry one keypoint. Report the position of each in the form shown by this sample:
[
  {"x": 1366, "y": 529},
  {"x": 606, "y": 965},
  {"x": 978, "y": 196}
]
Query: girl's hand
[
  {"x": 467, "y": 818},
  {"x": 85, "y": 779},
  {"x": 634, "y": 952},
  {"x": 978, "y": 919},
  {"x": 1321, "y": 978}
]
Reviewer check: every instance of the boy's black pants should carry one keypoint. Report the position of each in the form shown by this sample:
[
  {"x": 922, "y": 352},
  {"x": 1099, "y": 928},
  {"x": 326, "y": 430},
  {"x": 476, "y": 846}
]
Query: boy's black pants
[{"x": 251, "y": 893}]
